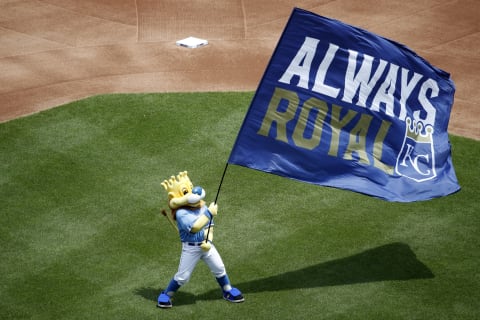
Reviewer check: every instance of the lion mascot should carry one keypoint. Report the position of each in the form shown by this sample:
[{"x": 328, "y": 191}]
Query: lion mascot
[{"x": 194, "y": 221}]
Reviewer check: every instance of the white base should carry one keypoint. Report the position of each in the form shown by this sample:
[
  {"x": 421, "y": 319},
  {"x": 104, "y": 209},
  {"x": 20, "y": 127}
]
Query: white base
[{"x": 192, "y": 42}]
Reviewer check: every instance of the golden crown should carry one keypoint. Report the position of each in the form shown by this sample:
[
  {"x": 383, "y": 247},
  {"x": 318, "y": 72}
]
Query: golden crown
[
  {"x": 175, "y": 184},
  {"x": 417, "y": 131}
]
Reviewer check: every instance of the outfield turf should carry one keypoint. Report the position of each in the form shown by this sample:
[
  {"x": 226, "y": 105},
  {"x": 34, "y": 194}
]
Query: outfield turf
[{"x": 82, "y": 236}]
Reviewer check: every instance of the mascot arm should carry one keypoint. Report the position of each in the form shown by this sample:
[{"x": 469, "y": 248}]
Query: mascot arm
[
  {"x": 200, "y": 223},
  {"x": 203, "y": 220}
]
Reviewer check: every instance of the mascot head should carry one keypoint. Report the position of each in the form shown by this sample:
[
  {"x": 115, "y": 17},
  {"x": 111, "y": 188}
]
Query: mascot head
[{"x": 182, "y": 193}]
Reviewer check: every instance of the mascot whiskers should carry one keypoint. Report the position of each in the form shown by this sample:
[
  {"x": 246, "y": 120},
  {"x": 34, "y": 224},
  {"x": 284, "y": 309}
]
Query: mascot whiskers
[{"x": 194, "y": 221}]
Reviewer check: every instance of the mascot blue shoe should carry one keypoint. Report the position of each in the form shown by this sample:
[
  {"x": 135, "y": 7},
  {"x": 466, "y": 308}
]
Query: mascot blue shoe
[
  {"x": 164, "y": 301},
  {"x": 233, "y": 295}
]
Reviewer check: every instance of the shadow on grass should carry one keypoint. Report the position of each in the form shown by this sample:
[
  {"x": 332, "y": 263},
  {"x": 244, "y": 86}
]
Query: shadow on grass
[{"x": 395, "y": 261}]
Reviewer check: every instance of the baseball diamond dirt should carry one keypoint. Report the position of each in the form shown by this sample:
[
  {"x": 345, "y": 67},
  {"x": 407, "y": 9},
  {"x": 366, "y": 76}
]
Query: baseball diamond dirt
[{"x": 57, "y": 51}]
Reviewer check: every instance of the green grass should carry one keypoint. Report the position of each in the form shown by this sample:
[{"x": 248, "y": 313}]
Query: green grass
[{"x": 82, "y": 238}]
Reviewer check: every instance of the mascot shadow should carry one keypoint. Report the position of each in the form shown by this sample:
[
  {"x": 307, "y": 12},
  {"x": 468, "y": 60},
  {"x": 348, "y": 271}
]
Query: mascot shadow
[{"x": 395, "y": 261}]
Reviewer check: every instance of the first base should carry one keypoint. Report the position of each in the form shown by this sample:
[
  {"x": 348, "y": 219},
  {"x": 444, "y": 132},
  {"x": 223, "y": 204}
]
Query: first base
[{"x": 192, "y": 42}]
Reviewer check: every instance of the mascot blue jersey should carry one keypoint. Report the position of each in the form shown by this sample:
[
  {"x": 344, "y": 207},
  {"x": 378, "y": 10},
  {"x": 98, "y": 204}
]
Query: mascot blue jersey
[{"x": 186, "y": 217}]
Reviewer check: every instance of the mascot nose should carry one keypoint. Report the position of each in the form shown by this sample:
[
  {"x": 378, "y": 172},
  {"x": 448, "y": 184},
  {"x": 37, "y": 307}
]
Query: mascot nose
[
  {"x": 197, "y": 194},
  {"x": 197, "y": 190}
]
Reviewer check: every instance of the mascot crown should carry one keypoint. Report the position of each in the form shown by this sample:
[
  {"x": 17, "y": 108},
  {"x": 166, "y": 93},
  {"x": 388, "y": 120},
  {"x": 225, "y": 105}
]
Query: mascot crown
[{"x": 175, "y": 184}]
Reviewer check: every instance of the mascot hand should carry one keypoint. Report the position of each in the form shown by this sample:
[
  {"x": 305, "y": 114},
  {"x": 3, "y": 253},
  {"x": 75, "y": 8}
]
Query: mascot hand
[
  {"x": 213, "y": 208},
  {"x": 206, "y": 246}
]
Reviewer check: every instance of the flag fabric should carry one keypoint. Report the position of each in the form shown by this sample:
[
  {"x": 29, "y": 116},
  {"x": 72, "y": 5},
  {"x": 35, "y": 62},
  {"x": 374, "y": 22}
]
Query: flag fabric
[{"x": 342, "y": 107}]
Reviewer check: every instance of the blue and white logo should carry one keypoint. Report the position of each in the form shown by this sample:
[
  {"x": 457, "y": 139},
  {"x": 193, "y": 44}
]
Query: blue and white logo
[{"x": 416, "y": 159}]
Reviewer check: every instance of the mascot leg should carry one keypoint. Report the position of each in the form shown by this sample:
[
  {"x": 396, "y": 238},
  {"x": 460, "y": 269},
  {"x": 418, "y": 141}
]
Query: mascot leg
[
  {"x": 224, "y": 283},
  {"x": 215, "y": 263},
  {"x": 229, "y": 293}
]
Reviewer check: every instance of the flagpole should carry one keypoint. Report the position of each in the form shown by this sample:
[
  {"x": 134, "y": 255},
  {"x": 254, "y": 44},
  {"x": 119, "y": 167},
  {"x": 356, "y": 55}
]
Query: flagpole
[
  {"x": 216, "y": 198},
  {"x": 221, "y": 181}
]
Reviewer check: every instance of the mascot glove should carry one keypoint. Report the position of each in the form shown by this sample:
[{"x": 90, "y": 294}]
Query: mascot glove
[
  {"x": 206, "y": 246},
  {"x": 213, "y": 208}
]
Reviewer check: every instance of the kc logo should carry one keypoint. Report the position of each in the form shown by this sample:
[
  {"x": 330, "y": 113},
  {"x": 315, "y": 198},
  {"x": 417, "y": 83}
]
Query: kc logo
[{"x": 416, "y": 159}]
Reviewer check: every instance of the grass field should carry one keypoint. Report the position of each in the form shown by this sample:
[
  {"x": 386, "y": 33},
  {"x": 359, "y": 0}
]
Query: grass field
[{"x": 82, "y": 238}]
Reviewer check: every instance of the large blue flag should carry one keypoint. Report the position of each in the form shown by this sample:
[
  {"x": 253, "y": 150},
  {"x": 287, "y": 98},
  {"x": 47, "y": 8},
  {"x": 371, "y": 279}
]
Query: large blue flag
[{"x": 339, "y": 106}]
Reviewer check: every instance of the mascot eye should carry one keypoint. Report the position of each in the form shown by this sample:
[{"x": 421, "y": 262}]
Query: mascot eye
[{"x": 185, "y": 191}]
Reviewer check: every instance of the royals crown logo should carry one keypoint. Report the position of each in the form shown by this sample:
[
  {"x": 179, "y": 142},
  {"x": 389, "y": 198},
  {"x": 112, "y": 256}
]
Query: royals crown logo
[
  {"x": 175, "y": 185},
  {"x": 416, "y": 159},
  {"x": 415, "y": 131}
]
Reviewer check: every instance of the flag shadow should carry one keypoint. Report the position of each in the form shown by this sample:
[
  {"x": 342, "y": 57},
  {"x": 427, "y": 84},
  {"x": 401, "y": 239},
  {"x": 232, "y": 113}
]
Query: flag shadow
[
  {"x": 395, "y": 261},
  {"x": 391, "y": 262}
]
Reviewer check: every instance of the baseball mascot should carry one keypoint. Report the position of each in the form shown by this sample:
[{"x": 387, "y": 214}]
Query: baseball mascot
[{"x": 195, "y": 227}]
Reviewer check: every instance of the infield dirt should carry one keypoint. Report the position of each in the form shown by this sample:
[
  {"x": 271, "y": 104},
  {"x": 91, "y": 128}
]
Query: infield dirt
[{"x": 56, "y": 51}]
